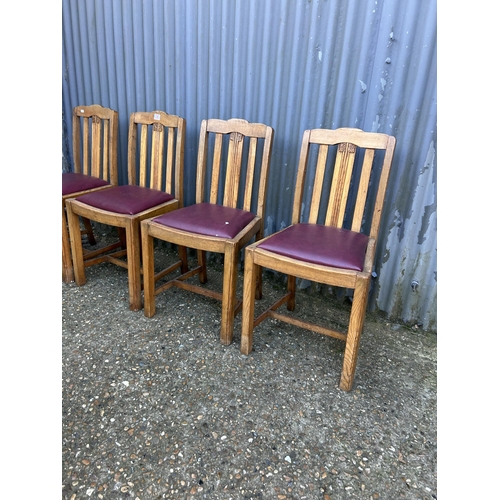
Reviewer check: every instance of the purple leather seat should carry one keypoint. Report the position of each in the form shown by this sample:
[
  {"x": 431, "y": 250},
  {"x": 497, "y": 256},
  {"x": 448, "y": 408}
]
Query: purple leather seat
[
  {"x": 208, "y": 219},
  {"x": 125, "y": 199},
  {"x": 74, "y": 183},
  {"x": 324, "y": 245}
]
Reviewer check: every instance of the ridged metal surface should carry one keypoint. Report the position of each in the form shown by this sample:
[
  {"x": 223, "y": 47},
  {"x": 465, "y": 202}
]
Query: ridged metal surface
[{"x": 292, "y": 65}]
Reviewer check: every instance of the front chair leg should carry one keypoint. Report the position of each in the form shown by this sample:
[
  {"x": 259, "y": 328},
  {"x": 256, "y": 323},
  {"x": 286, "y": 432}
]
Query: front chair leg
[
  {"x": 134, "y": 264},
  {"x": 229, "y": 293},
  {"x": 75, "y": 236},
  {"x": 249, "y": 290},
  {"x": 67, "y": 266},
  {"x": 356, "y": 322},
  {"x": 148, "y": 272}
]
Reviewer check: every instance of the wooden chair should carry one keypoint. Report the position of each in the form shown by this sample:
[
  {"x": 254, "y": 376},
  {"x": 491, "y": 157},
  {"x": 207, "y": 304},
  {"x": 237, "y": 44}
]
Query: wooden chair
[
  {"x": 95, "y": 153},
  {"x": 340, "y": 251},
  {"x": 156, "y": 150},
  {"x": 225, "y": 217}
]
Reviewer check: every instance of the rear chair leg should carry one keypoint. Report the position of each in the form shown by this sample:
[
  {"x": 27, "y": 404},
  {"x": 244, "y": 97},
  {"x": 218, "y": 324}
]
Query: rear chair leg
[
  {"x": 89, "y": 231},
  {"x": 290, "y": 304},
  {"x": 183, "y": 258},
  {"x": 122, "y": 235},
  {"x": 356, "y": 322},
  {"x": 258, "y": 284},
  {"x": 202, "y": 262}
]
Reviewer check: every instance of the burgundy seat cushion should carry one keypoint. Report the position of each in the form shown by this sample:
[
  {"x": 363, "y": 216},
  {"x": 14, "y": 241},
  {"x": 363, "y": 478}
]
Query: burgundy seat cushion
[
  {"x": 325, "y": 245},
  {"x": 125, "y": 199},
  {"x": 208, "y": 219},
  {"x": 74, "y": 183}
]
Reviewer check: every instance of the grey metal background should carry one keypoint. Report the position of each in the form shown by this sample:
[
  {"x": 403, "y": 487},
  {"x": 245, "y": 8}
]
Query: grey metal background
[{"x": 293, "y": 65}]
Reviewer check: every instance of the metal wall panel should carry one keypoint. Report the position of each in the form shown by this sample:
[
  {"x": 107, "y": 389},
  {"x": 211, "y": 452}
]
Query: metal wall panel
[{"x": 292, "y": 65}]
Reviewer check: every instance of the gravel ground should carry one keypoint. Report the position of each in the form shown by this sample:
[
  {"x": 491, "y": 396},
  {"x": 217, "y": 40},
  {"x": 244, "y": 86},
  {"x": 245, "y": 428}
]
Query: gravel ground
[{"x": 157, "y": 408}]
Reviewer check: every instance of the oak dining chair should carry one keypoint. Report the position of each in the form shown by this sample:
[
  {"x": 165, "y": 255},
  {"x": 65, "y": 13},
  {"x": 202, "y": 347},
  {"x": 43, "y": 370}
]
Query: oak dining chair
[
  {"x": 231, "y": 183},
  {"x": 156, "y": 142},
  {"x": 333, "y": 233},
  {"x": 95, "y": 167}
]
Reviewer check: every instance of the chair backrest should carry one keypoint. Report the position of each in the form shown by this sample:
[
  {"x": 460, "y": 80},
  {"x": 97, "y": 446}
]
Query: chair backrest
[
  {"x": 231, "y": 148},
  {"x": 360, "y": 161},
  {"x": 95, "y": 142},
  {"x": 156, "y": 143}
]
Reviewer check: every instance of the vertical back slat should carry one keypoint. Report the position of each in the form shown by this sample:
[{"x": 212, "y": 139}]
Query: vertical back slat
[
  {"x": 252, "y": 153},
  {"x": 233, "y": 169},
  {"x": 201, "y": 165},
  {"x": 157, "y": 150},
  {"x": 318, "y": 183},
  {"x": 95, "y": 165},
  {"x": 364, "y": 182},
  {"x": 132, "y": 150},
  {"x": 85, "y": 166},
  {"x": 214, "y": 187},
  {"x": 340, "y": 184},
  {"x": 301, "y": 174},
  {"x": 77, "y": 144},
  {"x": 143, "y": 155},
  {"x": 113, "y": 148},
  {"x": 169, "y": 162},
  {"x": 106, "y": 168}
]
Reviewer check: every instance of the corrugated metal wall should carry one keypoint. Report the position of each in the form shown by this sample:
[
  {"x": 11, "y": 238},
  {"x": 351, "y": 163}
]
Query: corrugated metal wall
[{"x": 290, "y": 64}]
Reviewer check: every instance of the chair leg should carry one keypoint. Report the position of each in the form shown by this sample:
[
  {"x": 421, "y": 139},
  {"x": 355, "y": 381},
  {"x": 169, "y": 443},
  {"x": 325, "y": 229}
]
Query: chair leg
[
  {"x": 290, "y": 304},
  {"x": 182, "y": 251},
  {"x": 134, "y": 264},
  {"x": 122, "y": 235},
  {"x": 89, "y": 231},
  {"x": 202, "y": 262},
  {"x": 258, "y": 277},
  {"x": 356, "y": 322},
  {"x": 248, "y": 311},
  {"x": 229, "y": 293},
  {"x": 148, "y": 272},
  {"x": 258, "y": 284},
  {"x": 75, "y": 236},
  {"x": 67, "y": 265}
]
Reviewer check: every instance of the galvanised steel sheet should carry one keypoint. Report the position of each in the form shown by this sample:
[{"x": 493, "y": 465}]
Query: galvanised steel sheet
[{"x": 293, "y": 65}]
